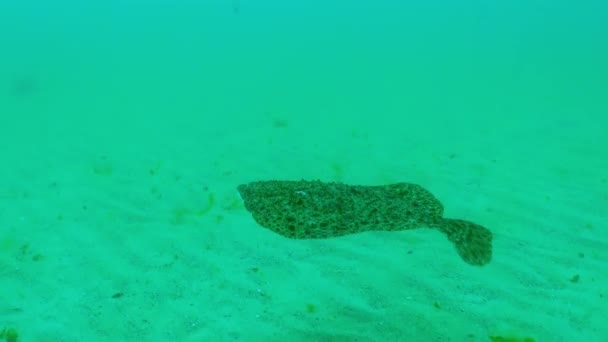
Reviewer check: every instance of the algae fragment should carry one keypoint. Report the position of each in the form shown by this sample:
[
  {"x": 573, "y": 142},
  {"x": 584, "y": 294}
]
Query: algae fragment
[
  {"x": 9, "y": 334},
  {"x": 208, "y": 207},
  {"x": 575, "y": 278}
]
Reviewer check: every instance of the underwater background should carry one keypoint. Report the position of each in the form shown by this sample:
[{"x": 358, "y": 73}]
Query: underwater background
[{"x": 126, "y": 126}]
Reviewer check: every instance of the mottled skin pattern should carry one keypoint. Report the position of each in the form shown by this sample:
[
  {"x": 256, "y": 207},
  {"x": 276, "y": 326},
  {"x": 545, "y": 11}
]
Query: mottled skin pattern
[{"x": 316, "y": 210}]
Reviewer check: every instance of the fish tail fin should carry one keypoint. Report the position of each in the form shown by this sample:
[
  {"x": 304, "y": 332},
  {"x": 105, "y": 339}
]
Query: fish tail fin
[{"x": 472, "y": 241}]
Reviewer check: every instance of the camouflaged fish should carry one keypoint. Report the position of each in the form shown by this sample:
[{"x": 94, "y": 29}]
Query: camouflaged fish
[{"x": 318, "y": 210}]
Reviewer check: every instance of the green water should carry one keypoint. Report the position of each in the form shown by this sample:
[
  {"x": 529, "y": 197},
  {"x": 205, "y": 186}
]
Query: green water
[
  {"x": 86, "y": 65},
  {"x": 433, "y": 92}
]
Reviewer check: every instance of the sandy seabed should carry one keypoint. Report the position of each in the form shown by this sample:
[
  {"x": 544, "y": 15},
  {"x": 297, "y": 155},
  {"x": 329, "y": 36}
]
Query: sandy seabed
[{"x": 119, "y": 242}]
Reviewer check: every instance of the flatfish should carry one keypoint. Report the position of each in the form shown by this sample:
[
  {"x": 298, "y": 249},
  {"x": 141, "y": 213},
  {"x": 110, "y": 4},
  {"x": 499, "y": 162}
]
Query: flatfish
[{"x": 320, "y": 210}]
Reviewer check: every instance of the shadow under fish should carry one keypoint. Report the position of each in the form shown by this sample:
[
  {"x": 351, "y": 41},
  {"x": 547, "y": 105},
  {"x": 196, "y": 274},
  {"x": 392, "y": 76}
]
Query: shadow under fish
[{"x": 318, "y": 210}]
